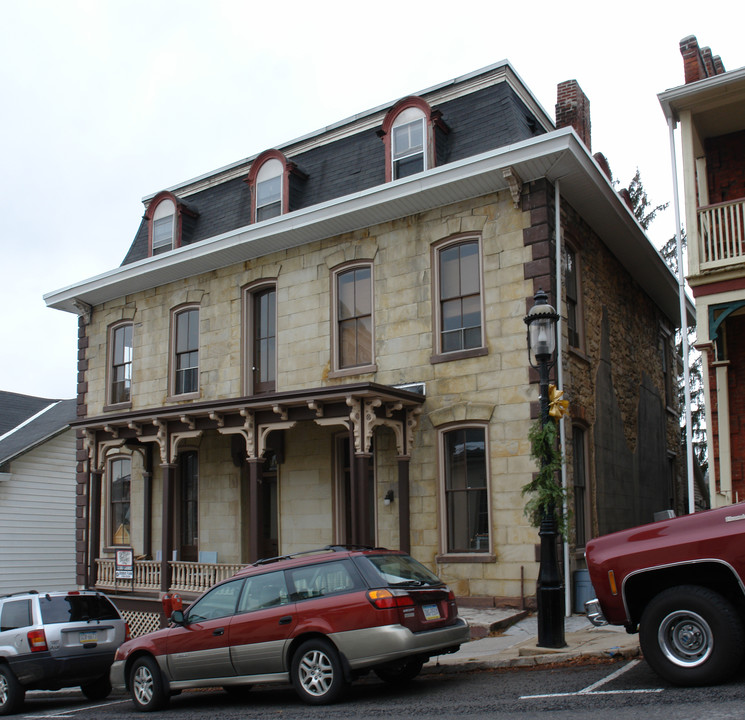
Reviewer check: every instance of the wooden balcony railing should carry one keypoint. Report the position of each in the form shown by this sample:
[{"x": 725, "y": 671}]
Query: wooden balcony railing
[
  {"x": 191, "y": 577},
  {"x": 721, "y": 230}
]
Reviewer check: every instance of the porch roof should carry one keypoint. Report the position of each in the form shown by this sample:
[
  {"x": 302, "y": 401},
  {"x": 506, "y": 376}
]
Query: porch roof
[{"x": 359, "y": 406}]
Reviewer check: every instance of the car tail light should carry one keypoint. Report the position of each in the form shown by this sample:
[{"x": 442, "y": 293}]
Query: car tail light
[
  {"x": 127, "y": 632},
  {"x": 37, "y": 640},
  {"x": 384, "y": 599}
]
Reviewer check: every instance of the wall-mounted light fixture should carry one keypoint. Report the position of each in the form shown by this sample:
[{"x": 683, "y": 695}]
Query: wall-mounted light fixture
[{"x": 388, "y": 499}]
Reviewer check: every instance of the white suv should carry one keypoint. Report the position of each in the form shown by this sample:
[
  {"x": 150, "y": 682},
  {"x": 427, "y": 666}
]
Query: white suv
[{"x": 58, "y": 639}]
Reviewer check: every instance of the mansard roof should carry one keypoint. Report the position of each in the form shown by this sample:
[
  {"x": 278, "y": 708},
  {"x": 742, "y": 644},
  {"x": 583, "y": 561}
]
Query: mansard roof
[
  {"x": 496, "y": 131},
  {"x": 349, "y": 158}
]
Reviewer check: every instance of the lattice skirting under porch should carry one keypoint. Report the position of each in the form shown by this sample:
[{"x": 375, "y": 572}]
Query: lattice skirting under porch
[{"x": 141, "y": 622}]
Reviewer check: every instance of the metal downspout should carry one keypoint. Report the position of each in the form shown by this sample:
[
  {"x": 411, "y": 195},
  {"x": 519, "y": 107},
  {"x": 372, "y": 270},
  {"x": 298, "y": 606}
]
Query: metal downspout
[
  {"x": 683, "y": 321},
  {"x": 560, "y": 386}
]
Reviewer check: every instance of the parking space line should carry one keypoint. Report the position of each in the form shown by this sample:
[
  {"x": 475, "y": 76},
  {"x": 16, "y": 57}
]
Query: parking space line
[
  {"x": 592, "y": 689},
  {"x": 67, "y": 713}
]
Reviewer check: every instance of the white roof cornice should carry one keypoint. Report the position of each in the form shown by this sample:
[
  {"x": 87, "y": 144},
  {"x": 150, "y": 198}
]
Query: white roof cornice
[{"x": 558, "y": 155}]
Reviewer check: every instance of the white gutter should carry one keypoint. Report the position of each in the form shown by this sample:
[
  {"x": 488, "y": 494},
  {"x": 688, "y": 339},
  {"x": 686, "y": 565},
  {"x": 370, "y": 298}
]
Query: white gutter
[
  {"x": 560, "y": 386},
  {"x": 683, "y": 321}
]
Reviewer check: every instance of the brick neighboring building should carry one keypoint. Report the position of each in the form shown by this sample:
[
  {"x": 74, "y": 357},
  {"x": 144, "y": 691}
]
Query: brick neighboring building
[
  {"x": 710, "y": 111},
  {"x": 324, "y": 343}
]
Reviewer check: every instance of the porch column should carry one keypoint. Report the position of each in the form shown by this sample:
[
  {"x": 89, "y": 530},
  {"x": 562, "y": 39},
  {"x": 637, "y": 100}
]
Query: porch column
[
  {"x": 169, "y": 475},
  {"x": 147, "y": 529},
  {"x": 404, "y": 525},
  {"x": 255, "y": 475},
  {"x": 354, "y": 496},
  {"x": 94, "y": 524},
  {"x": 365, "y": 535}
]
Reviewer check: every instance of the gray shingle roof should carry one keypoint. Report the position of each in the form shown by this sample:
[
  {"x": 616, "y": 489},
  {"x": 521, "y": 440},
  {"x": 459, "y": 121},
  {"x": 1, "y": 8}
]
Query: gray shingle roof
[{"x": 43, "y": 417}]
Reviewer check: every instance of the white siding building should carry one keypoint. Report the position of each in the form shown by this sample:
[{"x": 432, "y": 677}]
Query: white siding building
[{"x": 37, "y": 494}]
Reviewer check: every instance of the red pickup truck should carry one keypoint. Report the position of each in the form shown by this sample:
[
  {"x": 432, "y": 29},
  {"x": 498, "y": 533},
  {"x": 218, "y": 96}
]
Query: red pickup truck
[{"x": 680, "y": 583}]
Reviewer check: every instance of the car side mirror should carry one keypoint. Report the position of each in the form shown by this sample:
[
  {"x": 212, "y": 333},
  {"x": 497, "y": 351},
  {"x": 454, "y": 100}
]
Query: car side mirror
[{"x": 177, "y": 617}]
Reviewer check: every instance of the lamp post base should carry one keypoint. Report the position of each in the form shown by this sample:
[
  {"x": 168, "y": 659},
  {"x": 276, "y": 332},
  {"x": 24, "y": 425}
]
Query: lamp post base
[{"x": 551, "y": 617}]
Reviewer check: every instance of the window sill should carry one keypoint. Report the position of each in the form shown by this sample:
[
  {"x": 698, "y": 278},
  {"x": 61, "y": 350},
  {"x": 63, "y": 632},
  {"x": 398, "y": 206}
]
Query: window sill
[
  {"x": 466, "y": 558},
  {"x": 118, "y": 406},
  {"x": 185, "y": 396},
  {"x": 458, "y": 355},
  {"x": 357, "y": 370},
  {"x": 579, "y": 354}
]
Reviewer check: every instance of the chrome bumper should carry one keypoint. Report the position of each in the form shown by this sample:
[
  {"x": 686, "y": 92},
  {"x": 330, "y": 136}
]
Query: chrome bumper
[{"x": 594, "y": 613}]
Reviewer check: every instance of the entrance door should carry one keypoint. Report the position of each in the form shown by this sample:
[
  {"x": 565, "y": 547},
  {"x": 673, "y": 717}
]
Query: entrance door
[
  {"x": 344, "y": 494},
  {"x": 188, "y": 506}
]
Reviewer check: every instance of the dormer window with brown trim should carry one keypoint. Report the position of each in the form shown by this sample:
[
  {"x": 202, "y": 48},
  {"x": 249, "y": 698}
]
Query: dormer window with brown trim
[
  {"x": 408, "y": 134},
  {"x": 165, "y": 220},
  {"x": 269, "y": 179}
]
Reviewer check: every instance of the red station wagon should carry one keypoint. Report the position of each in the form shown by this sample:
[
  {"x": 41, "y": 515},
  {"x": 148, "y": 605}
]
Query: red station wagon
[{"x": 317, "y": 619}]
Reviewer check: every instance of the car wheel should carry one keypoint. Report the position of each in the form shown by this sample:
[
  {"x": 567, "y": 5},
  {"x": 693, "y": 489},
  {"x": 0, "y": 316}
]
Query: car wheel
[
  {"x": 691, "y": 635},
  {"x": 316, "y": 672},
  {"x": 11, "y": 691},
  {"x": 97, "y": 689},
  {"x": 399, "y": 672},
  {"x": 146, "y": 684}
]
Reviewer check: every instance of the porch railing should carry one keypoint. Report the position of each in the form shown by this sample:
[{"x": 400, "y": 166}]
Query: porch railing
[
  {"x": 721, "y": 229},
  {"x": 192, "y": 577}
]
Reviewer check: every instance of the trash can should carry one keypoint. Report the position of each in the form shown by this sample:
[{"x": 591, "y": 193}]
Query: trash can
[{"x": 582, "y": 590}]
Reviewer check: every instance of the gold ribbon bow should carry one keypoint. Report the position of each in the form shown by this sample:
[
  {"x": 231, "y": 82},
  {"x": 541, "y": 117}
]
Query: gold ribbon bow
[{"x": 557, "y": 407}]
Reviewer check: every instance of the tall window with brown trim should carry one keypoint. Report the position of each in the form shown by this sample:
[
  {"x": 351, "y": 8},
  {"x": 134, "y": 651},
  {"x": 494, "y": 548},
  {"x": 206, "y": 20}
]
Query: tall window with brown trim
[
  {"x": 465, "y": 474},
  {"x": 263, "y": 331},
  {"x": 459, "y": 277},
  {"x": 186, "y": 351},
  {"x": 120, "y": 473},
  {"x": 189, "y": 506},
  {"x": 120, "y": 369},
  {"x": 354, "y": 317},
  {"x": 572, "y": 299}
]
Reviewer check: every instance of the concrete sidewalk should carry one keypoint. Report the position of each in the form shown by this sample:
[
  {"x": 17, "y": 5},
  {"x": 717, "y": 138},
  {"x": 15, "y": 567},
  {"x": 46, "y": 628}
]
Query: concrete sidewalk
[{"x": 508, "y": 638}]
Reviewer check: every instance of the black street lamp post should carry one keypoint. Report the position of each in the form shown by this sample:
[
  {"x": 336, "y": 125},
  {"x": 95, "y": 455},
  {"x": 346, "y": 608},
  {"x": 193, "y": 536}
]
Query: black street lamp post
[{"x": 541, "y": 321}]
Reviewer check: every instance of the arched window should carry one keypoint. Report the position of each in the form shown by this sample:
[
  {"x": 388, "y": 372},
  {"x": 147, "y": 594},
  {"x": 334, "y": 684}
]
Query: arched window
[
  {"x": 165, "y": 222},
  {"x": 120, "y": 363},
  {"x": 269, "y": 190},
  {"x": 185, "y": 351},
  {"x": 120, "y": 472},
  {"x": 408, "y": 134},
  {"x": 269, "y": 181},
  {"x": 460, "y": 308}
]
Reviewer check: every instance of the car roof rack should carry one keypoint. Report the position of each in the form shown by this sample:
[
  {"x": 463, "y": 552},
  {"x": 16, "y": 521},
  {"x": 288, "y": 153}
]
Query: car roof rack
[
  {"x": 21, "y": 592},
  {"x": 326, "y": 549}
]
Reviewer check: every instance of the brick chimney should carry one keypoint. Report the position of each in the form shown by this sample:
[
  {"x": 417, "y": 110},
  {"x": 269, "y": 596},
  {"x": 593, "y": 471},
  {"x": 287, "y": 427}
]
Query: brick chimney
[
  {"x": 698, "y": 63},
  {"x": 573, "y": 109}
]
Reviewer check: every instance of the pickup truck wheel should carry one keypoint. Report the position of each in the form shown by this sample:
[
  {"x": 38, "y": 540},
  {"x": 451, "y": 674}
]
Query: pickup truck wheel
[
  {"x": 11, "y": 691},
  {"x": 691, "y": 635}
]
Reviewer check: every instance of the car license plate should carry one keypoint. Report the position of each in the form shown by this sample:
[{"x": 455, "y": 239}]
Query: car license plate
[
  {"x": 431, "y": 612},
  {"x": 88, "y": 637}
]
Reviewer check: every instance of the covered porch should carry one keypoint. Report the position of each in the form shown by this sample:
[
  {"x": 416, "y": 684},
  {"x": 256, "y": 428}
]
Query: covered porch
[{"x": 247, "y": 430}]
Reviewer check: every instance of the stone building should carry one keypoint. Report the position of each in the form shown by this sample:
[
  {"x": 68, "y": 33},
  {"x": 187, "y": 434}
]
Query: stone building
[
  {"x": 710, "y": 110},
  {"x": 324, "y": 343}
]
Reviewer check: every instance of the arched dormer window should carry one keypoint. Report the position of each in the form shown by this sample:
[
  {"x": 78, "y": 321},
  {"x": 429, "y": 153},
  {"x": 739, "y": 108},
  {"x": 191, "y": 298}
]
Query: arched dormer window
[
  {"x": 164, "y": 217},
  {"x": 269, "y": 179},
  {"x": 408, "y": 134}
]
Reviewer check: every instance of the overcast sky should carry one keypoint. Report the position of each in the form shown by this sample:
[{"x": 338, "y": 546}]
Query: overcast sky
[{"x": 105, "y": 102}]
